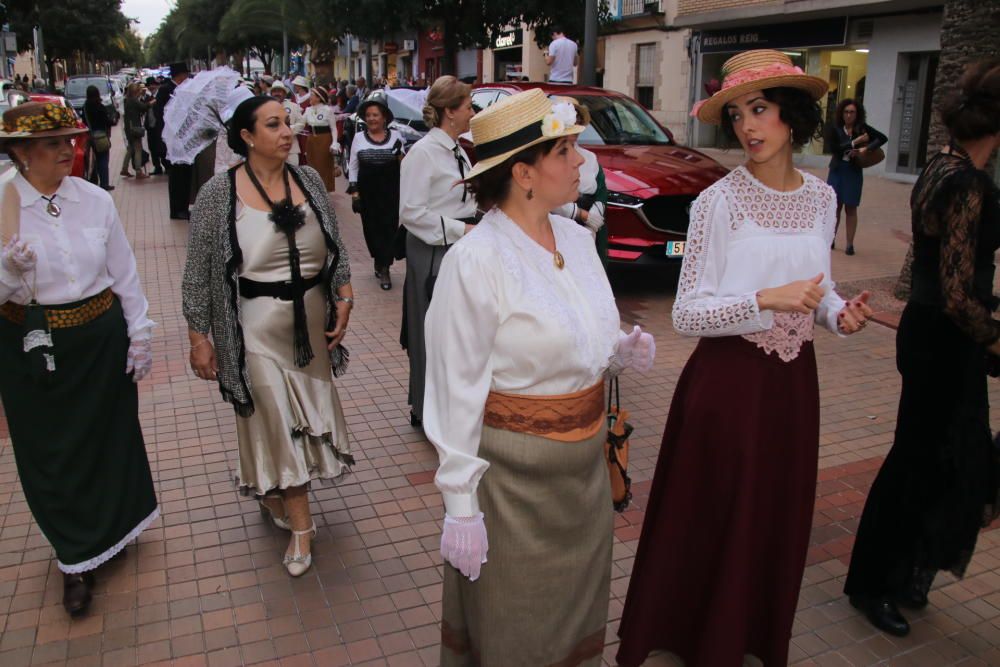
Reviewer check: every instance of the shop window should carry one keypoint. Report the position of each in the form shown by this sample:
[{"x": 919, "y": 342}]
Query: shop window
[{"x": 645, "y": 61}]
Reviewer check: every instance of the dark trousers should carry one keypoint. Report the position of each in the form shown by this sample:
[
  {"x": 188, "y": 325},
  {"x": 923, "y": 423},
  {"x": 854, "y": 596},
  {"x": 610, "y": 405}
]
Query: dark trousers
[
  {"x": 179, "y": 187},
  {"x": 157, "y": 150},
  {"x": 101, "y": 161}
]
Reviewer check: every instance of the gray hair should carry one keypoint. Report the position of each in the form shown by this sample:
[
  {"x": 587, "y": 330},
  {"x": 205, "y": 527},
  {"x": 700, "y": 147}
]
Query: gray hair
[{"x": 351, "y": 90}]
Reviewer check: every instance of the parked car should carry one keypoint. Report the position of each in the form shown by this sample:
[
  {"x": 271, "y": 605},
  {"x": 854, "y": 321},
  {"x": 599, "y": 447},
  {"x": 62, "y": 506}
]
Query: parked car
[
  {"x": 76, "y": 93},
  {"x": 652, "y": 180}
]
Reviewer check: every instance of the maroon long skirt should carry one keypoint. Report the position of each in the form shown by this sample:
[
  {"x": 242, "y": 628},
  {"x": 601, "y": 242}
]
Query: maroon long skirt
[{"x": 723, "y": 546}]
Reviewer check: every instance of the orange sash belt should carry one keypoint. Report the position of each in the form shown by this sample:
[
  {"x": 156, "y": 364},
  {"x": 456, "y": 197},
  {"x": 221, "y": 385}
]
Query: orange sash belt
[
  {"x": 64, "y": 318},
  {"x": 566, "y": 417}
]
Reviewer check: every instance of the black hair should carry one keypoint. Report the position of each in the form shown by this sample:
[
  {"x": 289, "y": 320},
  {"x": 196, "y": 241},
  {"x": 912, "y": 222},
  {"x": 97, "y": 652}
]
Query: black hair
[
  {"x": 492, "y": 187},
  {"x": 973, "y": 110},
  {"x": 244, "y": 118},
  {"x": 859, "y": 119},
  {"x": 93, "y": 94},
  {"x": 798, "y": 110}
]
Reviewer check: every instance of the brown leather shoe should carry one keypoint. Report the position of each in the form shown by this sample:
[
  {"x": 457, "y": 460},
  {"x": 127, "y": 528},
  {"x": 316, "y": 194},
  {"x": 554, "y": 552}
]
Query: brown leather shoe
[{"x": 76, "y": 592}]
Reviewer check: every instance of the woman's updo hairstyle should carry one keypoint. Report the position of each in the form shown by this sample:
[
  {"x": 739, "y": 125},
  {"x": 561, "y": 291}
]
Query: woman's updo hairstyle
[
  {"x": 973, "y": 110},
  {"x": 446, "y": 93},
  {"x": 244, "y": 118}
]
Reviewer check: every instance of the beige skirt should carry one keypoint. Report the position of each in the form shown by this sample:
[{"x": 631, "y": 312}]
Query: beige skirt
[
  {"x": 542, "y": 597},
  {"x": 321, "y": 159}
]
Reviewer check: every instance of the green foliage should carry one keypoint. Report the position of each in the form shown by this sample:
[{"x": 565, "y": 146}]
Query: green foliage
[{"x": 93, "y": 27}]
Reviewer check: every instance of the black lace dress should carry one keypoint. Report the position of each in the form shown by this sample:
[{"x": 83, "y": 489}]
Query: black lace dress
[{"x": 938, "y": 485}]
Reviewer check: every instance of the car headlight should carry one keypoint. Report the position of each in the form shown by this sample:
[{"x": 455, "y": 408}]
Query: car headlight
[{"x": 623, "y": 200}]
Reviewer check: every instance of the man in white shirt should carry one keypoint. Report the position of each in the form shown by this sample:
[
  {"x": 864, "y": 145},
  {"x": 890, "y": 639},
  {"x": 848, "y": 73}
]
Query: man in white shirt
[{"x": 561, "y": 57}]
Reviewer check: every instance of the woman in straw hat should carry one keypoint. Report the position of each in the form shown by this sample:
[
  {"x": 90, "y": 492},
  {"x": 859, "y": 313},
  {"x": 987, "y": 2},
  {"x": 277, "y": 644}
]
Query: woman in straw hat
[
  {"x": 521, "y": 332},
  {"x": 437, "y": 209},
  {"x": 321, "y": 143},
  {"x": 742, "y": 438},
  {"x": 85, "y": 475}
]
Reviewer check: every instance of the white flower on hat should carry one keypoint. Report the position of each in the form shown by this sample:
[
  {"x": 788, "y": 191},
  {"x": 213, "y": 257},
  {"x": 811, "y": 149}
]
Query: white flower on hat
[{"x": 556, "y": 122}]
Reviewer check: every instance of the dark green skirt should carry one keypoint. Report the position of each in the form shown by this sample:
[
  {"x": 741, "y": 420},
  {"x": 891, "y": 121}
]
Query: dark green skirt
[{"x": 77, "y": 440}]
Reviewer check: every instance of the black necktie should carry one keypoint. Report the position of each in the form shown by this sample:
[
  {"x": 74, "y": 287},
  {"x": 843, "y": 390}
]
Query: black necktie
[{"x": 457, "y": 150}]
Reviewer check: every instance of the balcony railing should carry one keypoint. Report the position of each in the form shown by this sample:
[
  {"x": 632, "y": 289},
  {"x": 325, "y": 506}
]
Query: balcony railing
[{"x": 627, "y": 8}]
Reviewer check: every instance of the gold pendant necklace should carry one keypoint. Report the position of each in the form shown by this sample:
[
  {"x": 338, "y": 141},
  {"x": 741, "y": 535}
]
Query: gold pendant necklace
[{"x": 558, "y": 259}]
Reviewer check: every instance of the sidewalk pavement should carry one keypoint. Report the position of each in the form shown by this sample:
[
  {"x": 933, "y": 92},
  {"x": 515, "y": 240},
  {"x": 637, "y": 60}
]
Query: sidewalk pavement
[{"x": 205, "y": 584}]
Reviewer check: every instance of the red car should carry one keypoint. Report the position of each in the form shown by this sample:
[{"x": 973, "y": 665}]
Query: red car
[
  {"x": 83, "y": 159},
  {"x": 652, "y": 181}
]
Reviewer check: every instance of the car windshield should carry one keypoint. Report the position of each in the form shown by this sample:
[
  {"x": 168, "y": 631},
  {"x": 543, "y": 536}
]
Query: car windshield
[
  {"x": 78, "y": 87},
  {"x": 619, "y": 120}
]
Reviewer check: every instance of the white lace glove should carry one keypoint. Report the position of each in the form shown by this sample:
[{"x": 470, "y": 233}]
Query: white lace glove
[
  {"x": 595, "y": 219},
  {"x": 464, "y": 543},
  {"x": 335, "y": 148},
  {"x": 636, "y": 351},
  {"x": 140, "y": 359},
  {"x": 18, "y": 257}
]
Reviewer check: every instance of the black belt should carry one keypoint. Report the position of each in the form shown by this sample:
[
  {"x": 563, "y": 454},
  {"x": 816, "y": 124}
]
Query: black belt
[
  {"x": 320, "y": 129},
  {"x": 252, "y": 289},
  {"x": 473, "y": 220}
]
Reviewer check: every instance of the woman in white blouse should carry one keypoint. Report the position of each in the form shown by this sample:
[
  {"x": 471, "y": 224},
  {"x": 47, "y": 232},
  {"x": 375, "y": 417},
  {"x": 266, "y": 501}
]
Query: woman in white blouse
[
  {"x": 521, "y": 332},
  {"x": 78, "y": 355},
  {"x": 723, "y": 546},
  {"x": 436, "y": 209},
  {"x": 321, "y": 143}
]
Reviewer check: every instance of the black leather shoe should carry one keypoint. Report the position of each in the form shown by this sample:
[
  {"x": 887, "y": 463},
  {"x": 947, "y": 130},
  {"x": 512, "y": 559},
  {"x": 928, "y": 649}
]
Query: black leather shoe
[
  {"x": 183, "y": 215},
  {"x": 415, "y": 421},
  {"x": 385, "y": 281},
  {"x": 850, "y": 250},
  {"x": 883, "y": 614},
  {"x": 76, "y": 592}
]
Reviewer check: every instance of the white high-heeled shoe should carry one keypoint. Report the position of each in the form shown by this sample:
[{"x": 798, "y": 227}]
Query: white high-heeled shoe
[
  {"x": 269, "y": 515},
  {"x": 297, "y": 564}
]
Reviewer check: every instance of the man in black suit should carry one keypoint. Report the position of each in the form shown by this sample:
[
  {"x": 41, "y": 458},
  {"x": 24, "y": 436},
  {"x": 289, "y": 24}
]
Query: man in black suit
[{"x": 178, "y": 175}]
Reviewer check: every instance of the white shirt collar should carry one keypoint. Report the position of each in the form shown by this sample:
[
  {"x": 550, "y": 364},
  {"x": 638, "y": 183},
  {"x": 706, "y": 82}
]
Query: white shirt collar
[
  {"x": 442, "y": 138},
  {"x": 29, "y": 195}
]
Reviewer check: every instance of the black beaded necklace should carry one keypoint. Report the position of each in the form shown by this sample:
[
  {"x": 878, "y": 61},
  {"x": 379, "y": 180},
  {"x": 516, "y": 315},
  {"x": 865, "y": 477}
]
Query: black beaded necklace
[{"x": 288, "y": 218}]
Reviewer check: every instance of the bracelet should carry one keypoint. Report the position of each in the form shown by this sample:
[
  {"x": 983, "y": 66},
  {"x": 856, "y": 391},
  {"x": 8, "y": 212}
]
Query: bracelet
[
  {"x": 344, "y": 299},
  {"x": 195, "y": 347}
]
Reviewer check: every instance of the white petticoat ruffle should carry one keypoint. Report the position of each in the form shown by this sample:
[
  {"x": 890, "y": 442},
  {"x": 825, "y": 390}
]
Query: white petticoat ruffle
[{"x": 101, "y": 559}]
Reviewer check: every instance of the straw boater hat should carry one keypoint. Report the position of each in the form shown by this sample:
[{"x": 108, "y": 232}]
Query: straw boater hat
[
  {"x": 756, "y": 70},
  {"x": 518, "y": 122},
  {"x": 301, "y": 82},
  {"x": 34, "y": 120}
]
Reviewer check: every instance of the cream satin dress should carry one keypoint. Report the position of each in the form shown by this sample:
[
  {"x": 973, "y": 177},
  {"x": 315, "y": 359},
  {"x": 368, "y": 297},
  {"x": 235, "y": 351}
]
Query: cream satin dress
[{"x": 297, "y": 432}]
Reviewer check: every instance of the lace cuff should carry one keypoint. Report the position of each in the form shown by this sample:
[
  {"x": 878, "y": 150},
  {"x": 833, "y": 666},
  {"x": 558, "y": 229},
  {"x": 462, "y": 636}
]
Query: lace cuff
[
  {"x": 789, "y": 333},
  {"x": 721, "y": 316}
]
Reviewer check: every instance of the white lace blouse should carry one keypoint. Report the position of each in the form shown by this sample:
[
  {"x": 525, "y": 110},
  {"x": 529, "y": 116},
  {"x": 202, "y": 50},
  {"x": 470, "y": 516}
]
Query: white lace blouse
[
  {"x": 745, "y": 237},
  {"x": 504, "y": 318}
]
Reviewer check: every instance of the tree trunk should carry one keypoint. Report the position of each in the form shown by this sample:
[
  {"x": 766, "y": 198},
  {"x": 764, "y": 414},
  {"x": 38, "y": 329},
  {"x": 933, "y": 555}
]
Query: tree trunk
[{"x": 968, "y": 34}]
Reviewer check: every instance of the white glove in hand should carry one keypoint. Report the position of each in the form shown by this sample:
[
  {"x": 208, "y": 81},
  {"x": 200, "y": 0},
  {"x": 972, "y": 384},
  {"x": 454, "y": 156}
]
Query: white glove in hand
[
  {"x": 140, "y": 359},
  {"x": 17, "y": 257},
  {"x": 464, "y": 543},
  {"x": 595, "y": 219},
  {"x": 636, "y": 351}
]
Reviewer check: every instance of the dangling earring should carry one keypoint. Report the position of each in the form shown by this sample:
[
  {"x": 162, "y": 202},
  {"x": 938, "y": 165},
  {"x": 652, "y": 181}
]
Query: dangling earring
[
  {"x": 791, "y": 135},
  {"x": 251, "y": 145},
  {"x": 531, "y": 194},
  {"x": 25, "y": 169}
]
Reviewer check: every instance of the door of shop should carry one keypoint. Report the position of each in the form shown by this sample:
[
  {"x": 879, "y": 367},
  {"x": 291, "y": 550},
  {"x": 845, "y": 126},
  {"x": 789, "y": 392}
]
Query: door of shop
[{"x": 913, "y": 104}]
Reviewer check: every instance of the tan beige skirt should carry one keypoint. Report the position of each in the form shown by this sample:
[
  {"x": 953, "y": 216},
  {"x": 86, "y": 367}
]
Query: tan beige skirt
[
  {"x": 321, "y": 159},
  {"x": 542, "y": 597}
]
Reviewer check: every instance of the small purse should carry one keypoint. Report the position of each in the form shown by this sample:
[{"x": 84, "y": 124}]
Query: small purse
[
  {"x": 869, "y": 158},
  {"x": 101, "y": 141},
  {"x": 616, "y": 450}
]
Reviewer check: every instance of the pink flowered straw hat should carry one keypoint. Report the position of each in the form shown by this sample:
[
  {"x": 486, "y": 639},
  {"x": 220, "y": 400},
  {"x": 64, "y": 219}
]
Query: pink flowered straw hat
[{"x": 756, "y": 70}]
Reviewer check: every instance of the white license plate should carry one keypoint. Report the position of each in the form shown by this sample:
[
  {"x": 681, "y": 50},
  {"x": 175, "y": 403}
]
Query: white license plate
[{"x": 675, "y": 248}]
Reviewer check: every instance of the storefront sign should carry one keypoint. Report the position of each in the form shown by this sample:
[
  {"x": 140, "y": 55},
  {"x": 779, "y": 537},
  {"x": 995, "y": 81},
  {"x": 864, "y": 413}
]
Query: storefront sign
[
  {"x": 390, "y": 47},
  {"x": 801, "y": 34},
  {"x": 508, "y": 39}
]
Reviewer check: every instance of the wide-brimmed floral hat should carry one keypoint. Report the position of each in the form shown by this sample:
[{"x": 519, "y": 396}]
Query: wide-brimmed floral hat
[
  {"x": 756, "y": 70},
  {"x": 518, "y": 122},
  {"x": 33, "y": 120}
]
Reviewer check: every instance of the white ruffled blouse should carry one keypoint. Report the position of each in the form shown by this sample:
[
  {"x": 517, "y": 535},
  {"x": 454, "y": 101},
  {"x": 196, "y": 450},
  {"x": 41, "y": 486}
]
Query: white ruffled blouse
[
  {"x": 744, "y": 237},
  {"x": 504, "y": 318}
]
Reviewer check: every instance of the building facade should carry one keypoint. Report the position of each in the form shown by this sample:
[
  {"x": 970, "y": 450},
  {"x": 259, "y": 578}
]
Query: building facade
[{"x": 882, "y": 52}]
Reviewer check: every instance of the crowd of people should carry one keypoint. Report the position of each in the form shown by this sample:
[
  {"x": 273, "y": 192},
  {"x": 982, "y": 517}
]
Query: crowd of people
[{"x": 513, "y": 333}]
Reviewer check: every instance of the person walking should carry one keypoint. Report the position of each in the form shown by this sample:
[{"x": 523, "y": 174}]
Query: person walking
[
  {"x": 373, "y": 174},
  {"x": 74, "y": 340},
  {"x": 295, "y": 118},
  {"x": 96, "y": 118},
  {"x": 940, "y": 482},
  {"x": 741, "y": 442},
  {"x": 267, "y": 297},
  {"x": 179, "y": 175},
  {"x": 154, "y": 140},
  {"x": 561, "y": 57},
  {"x": 321, "y": 144},
  {"x": 135, "y": 129},
  {"x": 851, "y": 138},
  {"x": 521, "y": 334},
  {"x": 436, "y": 209}
]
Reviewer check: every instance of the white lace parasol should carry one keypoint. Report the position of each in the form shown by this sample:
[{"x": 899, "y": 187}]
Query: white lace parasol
[{"x": 192, "y": 118}]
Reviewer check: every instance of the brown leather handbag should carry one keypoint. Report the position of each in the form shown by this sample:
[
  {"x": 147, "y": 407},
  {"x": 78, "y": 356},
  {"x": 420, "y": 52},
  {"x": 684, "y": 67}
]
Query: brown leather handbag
[
  {"x": 869, "y": 158},
  {"x": 616, "y": 449}
]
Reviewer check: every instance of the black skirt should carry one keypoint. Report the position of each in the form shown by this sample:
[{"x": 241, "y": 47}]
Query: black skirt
[
  {"x": 938, "y": 485},
  {"x": 77, "y": 440}
]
